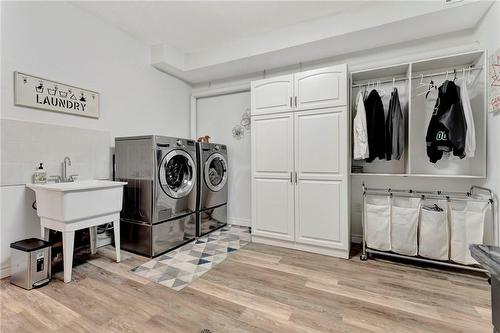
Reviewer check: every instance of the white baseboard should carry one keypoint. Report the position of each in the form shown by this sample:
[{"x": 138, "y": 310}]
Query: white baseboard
[
  {"x": 358, "y": 239},
  {"x": 4, "y": 272},
  {"x": 239, "y": 221},
  {"x": 339, "y": 253}
]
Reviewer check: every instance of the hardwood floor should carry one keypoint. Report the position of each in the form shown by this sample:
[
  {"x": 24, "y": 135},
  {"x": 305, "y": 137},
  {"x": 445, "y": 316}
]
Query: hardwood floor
[{"x": 258, "y": 289}]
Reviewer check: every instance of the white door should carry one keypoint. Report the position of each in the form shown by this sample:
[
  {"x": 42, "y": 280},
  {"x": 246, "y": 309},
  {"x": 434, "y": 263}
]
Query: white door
[
  {"x": 321, "y": 88},
  {"x": 272, "y": 95},
  {"x": 272, "y": 186},
  {"x": 321, "y": 191}
]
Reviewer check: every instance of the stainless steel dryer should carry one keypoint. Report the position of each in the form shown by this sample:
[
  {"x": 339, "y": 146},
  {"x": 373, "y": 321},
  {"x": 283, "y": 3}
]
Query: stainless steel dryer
[
  {"x": 212, "y": 187},
  {"x": 159, "y": 207}
]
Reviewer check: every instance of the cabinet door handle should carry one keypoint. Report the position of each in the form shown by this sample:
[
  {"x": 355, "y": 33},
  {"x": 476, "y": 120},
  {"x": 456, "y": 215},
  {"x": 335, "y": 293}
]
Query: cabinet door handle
[
  {"x": 291, "y": 177},
  {"x": 296, "y": 176},
  {"x": 290, "y": 101},
  {"x": 295, "y": 101}
]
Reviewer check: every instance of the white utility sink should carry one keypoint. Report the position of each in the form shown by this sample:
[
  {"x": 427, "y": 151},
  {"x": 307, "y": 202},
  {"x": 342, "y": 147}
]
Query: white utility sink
[
  {"x": 72, "y": 206},
  {"x": 78, "y": 200}
]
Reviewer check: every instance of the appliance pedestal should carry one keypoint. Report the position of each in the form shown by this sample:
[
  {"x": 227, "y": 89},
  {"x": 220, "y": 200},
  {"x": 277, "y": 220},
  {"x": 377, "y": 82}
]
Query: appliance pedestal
[
  {"x": 211, "y": 219},
  {"x": 152, "y": 240}
]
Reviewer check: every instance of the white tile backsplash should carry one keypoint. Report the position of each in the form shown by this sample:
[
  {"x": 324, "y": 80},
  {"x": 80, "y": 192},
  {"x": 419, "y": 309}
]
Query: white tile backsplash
[{"x": 26, "y": 144}]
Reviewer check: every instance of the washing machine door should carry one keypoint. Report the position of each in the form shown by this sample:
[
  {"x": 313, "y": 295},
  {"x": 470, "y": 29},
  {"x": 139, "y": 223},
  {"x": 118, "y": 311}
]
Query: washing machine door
[
  {"x": 177, "y": 174},
  {"x": 216, "y": 172}
]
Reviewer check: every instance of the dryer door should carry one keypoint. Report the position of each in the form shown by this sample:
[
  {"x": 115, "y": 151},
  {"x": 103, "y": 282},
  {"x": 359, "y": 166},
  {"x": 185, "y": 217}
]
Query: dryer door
[
  {"x": 216, "y": 172},
  {"x": 177, "y": 173}
]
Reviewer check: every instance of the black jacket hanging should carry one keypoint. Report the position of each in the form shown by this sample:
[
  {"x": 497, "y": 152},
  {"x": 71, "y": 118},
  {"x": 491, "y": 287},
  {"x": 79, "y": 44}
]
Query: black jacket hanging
[
  {"x": 394, "y": 128},
  {"x": 375, "y": 123},
  {"x": 447, "y": 128}
]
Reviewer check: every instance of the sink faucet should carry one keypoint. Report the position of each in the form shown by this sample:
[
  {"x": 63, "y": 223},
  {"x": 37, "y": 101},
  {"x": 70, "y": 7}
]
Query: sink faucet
[
  {"x": 64, "y": 177},
  {"x": 66, "y": 162}
]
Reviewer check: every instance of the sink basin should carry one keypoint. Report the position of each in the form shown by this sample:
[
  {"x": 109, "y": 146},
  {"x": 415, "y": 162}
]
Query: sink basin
[
  {"x": 73, "y": 201},
  {"x": 67, "y": 207}
]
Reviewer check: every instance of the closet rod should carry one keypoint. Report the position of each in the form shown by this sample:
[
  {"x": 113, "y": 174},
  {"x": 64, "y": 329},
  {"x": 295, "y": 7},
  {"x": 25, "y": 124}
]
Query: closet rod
[
  {"x": 419, "y": 192},
  {"x": 364, "y": 83},
  {"x": 428, "y": 196},
  {"x": 411, "y": 191},
  {"x": 458, "y": 71}
]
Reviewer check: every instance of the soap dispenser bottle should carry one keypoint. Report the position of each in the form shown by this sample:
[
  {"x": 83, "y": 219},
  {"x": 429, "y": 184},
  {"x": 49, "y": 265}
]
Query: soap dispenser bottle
[{"x": 40, "y": 176}]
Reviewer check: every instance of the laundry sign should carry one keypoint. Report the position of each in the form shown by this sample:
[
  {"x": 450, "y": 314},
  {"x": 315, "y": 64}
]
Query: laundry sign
[{"x": 36, "y": 92}]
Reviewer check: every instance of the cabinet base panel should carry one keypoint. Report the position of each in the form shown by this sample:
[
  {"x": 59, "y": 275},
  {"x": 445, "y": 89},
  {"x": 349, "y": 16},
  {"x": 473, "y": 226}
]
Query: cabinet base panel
[{"x": 339, "y": 253}]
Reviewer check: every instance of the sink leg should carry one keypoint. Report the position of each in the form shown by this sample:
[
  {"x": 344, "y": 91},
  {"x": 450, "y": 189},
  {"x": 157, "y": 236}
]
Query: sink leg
[
  {"x": 116, "y": 231},
  {"x": 68, "y": 244},
  {"x": 44, "y": 234},
  {"x": 93, "y": 239}
]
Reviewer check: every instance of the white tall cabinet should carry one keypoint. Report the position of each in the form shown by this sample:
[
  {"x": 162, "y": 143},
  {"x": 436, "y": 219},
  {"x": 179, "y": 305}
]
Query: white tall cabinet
[{"x": 300, "y": 183}]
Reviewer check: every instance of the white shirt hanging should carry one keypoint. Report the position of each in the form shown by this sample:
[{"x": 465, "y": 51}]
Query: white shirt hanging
[
  {"x": 360, "y": 133},
  {"x": 470, "y": 135}
]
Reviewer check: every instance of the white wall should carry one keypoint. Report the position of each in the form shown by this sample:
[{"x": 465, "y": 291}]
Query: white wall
[
  {"x": 24, "y": 145},
  {"x": 59, "y": 41},
  {"x": 457, "y": 42},
  {"x": 488, "y": 34},
  {"x": 216, "y": 117}
]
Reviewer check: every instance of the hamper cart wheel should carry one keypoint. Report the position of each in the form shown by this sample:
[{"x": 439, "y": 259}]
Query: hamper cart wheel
[{"x": 363, "y": 257}]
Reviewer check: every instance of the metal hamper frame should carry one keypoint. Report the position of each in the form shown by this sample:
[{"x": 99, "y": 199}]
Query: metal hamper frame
[{"x": 471, "y": 195}]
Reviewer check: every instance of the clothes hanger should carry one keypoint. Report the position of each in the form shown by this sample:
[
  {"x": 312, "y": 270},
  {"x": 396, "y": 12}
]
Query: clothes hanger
[
  {"x": 380, "y": 91},
  {"x": 430, "y": 85},
  {"x": 470, "y": 77},
  {"x": 362, "y": 90},
  {"x": 365, "y": 91},
  {"x": 421, "y": 84}
]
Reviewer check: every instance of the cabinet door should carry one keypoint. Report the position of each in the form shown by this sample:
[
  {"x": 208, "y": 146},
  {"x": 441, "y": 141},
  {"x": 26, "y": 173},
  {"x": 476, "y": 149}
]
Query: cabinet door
[
  {"x": 321, "y": 192},
  {"x": 321, "y": 88},
  {"x": 272, "y": 95},
  {"x": 272, "y": 166}
]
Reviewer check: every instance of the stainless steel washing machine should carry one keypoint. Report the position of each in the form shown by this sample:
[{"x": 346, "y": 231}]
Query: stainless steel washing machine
[
  {"x": 159, "y": 207},
  {"x": 212, "y": 187}
]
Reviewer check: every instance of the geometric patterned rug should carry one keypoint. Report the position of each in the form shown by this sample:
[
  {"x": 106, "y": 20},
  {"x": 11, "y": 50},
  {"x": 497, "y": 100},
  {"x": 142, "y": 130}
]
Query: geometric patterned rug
[{"x": 178, "y": 268}]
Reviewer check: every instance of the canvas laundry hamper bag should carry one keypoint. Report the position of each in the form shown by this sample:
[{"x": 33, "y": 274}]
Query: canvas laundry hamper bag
[
  {"x": 404, "y": 225},
  {"x": 378, "y": 223},
  {"x": 466, "y": 227},
  {"x": 434, "y": 235}
]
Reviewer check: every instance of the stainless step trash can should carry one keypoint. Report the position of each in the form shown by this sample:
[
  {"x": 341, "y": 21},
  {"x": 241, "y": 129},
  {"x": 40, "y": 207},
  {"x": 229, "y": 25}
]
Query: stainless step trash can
[{"x": 30, "y": 262}]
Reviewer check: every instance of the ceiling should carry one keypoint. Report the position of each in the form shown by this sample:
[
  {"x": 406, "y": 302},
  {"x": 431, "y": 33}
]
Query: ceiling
[
  {"x": 191, "y": 26},
  {"x": 211, "y": 40}
]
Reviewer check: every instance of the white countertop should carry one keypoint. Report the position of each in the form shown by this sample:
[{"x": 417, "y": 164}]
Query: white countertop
[{"x": 79, "y": 185}]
